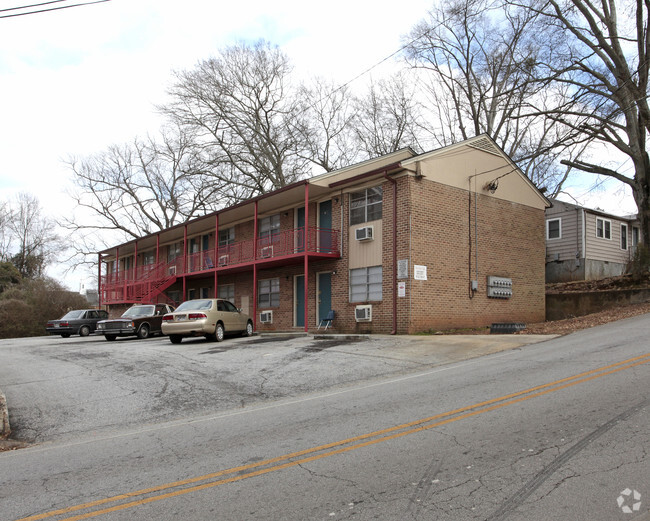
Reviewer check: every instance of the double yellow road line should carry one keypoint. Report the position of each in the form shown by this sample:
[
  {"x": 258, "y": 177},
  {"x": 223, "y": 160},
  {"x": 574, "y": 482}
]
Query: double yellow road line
[{"x": 178, "y": 488}]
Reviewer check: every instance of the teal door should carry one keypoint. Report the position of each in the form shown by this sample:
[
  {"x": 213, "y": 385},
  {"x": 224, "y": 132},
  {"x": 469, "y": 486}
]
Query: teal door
[
  {"x": 300, "y": 234},
  {"x": 300, "y": 301},
  {"x": 325, "y": 225},
  {"x": 324, "y": 295}
]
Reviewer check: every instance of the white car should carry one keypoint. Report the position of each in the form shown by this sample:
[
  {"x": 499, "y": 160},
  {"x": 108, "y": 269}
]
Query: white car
[{"x": 209, "y": 317}]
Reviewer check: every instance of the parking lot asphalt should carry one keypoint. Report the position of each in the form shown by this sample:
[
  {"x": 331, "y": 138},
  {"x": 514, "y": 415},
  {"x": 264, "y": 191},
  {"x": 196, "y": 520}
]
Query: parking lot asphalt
[{"x": 197, "y": 375}]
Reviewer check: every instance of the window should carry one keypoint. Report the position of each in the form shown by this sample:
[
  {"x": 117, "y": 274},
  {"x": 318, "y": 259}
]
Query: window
[
  {"x": 174, "y": 251},
  {"x": 623, "y": 236},
  {"x": 269, "y": 226},
  {"x": 636, "y": 233},
  {"x": 268, "y": 293},
  {"x": 192, "y": 294},
  {"x": 365, "y": 284},
  {"x": 205, "y": 292},
  {"x": 226, "y": 291},
  {"x": 148, "y": 258},
  {"x": 603, "y": 228},
  {"x": 227, "y": 236},
  {"x": 554, "y": 229},
  {"x": 365, "y": 206}
]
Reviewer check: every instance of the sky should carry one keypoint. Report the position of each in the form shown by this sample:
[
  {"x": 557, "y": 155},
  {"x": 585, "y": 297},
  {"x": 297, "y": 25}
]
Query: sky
[{"x": 75, "y": 81}]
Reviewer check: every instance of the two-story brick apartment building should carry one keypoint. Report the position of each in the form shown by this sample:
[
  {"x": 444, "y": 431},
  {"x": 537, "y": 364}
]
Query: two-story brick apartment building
[{"x": 403, "y": 243}]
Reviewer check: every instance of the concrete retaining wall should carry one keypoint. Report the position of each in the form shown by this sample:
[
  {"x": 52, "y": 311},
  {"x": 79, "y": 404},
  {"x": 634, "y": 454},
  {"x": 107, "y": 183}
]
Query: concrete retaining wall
[{"x": 569, "y": 305}]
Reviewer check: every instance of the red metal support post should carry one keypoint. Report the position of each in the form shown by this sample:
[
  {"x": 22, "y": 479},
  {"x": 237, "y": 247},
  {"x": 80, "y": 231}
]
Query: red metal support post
[
  {"x": 306, "y": 250},
  {"x": 255, "y": 270}
]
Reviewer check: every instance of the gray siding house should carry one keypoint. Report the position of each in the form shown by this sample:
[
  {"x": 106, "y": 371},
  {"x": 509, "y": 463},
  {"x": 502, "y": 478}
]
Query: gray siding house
[{"x": 586, "y": 244}]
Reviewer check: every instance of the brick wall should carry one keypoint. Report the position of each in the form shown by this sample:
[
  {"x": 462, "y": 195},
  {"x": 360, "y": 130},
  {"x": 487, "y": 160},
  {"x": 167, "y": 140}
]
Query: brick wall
[{"x": 455, "y": 233}]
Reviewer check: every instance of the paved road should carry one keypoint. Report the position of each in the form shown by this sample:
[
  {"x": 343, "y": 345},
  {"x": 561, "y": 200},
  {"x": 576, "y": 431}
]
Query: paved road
[{"x": 555, "y": 430}]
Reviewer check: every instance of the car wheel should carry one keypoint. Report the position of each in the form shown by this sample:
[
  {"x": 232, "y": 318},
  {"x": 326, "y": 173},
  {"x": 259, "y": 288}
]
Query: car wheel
[
  {"x": 110, "y": 338},
  {"x": 143, "y": 332},
  {"x": 65, "y": 335},
  {"x": 175, "y": 339},
  {"x": 219, "y": 332},
  {"x": 84, "y": 331},
  {"x": 249, "y": 329}
]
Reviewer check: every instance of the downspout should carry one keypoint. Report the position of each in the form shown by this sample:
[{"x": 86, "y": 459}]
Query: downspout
[{"x": 394, "y": 331}]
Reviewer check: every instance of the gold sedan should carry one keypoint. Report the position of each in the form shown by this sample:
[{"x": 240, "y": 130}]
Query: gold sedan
[{"x": 209, "y": 317}]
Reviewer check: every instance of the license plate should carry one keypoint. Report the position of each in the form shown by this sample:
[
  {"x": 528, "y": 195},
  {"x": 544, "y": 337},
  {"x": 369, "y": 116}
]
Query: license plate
[{"x": 180, "y": 317}]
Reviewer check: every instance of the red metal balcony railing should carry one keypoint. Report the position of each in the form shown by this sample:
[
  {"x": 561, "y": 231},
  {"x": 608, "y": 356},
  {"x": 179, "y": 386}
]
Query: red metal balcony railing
[{"x": 147, "y": 282}]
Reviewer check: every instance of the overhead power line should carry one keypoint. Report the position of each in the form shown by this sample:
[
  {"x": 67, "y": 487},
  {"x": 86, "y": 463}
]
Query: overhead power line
[{"x": 25, "y": 7}]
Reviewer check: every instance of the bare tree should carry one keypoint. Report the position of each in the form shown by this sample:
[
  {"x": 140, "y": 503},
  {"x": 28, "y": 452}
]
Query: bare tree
[
  {"x": 32, "y": 243},
  {"x": 241, "y": 111},
  {"x": 482, "y": 60},
  {"x": 387, "y": 117},
  {"x": 604, "y": 62},
  {"x": 141, "y": 187},
  {"x": 326, "y": 132}
]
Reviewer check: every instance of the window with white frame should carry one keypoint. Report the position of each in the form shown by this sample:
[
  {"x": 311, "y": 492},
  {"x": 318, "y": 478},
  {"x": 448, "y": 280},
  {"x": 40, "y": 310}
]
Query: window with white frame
[
  {"x": 227, "y": 236},
  {"x": 268, "y": 293},
  {"x": 366, "y": 205},
  {"x": 636, "y": 234},
  {"x": 554, "y": 229},
  {"x": 226, "y": 291},
  {"x": 366, "y": 284},
  {"x": 603, "y": 228},
  {"x": 623, "y": 236}
]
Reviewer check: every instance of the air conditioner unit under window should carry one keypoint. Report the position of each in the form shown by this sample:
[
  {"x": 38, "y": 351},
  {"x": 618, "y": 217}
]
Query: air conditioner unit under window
[
  {"x": 363, "y": 313},
  {"x": 224, "y": 259},
  {"x": 363, "y": 234},
  {"x": 266, "y": 317},
  {"x": 266, "y": 252}
]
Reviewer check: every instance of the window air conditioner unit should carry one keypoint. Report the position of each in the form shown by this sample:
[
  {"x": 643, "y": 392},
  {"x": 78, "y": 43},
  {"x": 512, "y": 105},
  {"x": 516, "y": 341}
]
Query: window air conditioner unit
[
  {"x": 363, "y": 313},
  {"x": 266, "y": 317},
  {"x": 224, "y": 259},
  {"x": 266, "y": 252},
  {"x": 363, "y": 234}
]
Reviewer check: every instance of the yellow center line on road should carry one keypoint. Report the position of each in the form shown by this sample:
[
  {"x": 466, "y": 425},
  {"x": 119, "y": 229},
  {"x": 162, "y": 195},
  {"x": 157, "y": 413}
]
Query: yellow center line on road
[{"x": 322, "y": 451}]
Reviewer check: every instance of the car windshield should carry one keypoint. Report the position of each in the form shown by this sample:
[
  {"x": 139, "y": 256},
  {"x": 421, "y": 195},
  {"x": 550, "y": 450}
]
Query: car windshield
[
  {"x": 77, "y": 313},
  {"x": 139, "y": 311},
  {"x": 193, "y": 305}
]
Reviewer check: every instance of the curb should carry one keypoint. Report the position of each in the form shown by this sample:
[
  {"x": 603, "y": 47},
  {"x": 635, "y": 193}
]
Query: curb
[{"x": 5, "y": 430}]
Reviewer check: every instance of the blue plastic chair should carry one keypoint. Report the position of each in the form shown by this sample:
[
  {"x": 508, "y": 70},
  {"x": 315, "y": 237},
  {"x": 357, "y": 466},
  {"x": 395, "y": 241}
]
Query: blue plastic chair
[{"x": 327, "y": 320}]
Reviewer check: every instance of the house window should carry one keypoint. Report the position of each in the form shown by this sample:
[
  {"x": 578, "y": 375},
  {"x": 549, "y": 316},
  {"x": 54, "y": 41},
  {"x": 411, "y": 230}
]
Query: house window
[
  {"x": 636, "y": 233},
  {"x": 174, "y": 251},
  {"x": 623, "y": 236},
  {"x": 554, "y": 229},
  {"x": 603, "y": 228},
  {"x": 268, "y": 293},
  {"x": 205, "y": 292},
  {"x": 226, "y": 291},
  {"x": 366, "y": 284},
  {"x": 269, "y": 226},
  {"x": 227, "y": 236},
  {"x": 148, "y": 258},
  {"x": 192, "y": 294},
  {"x": 365, "y": 206}
]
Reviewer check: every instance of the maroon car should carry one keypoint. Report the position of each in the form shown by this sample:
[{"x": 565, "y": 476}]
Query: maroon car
[{"x": 141, "y": 320}]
